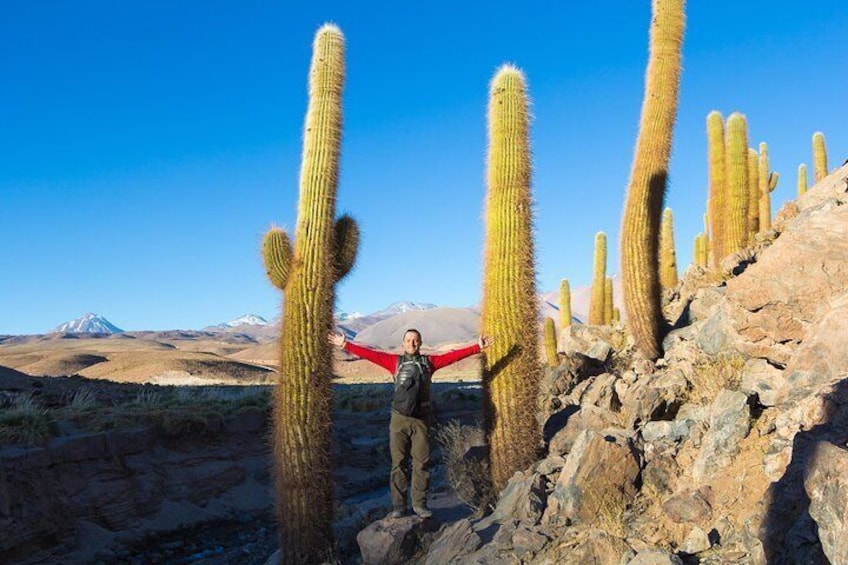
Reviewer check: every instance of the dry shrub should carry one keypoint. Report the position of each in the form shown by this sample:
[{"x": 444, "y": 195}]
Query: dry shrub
[
  {"x": 24, "y": 423},
  {"x": 466, "y": 464},
  {"x": 712, "y": 374}
]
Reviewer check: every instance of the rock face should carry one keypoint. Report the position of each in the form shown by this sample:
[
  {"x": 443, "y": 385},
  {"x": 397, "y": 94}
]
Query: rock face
[
  {"x": 395, "y": 540},
  {"x": 731, "y": 448}
]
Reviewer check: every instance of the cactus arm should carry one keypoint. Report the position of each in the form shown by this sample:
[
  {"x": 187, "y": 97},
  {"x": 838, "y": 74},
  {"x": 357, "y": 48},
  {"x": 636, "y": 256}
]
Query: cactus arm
[
  {"x": 346, "y": 245},
  {"x": 277, "y": 256}
]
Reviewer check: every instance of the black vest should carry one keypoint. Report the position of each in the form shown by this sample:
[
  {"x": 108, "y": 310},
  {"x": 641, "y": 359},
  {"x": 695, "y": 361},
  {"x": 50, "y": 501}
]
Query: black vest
[{"x": 411, "y": 395}]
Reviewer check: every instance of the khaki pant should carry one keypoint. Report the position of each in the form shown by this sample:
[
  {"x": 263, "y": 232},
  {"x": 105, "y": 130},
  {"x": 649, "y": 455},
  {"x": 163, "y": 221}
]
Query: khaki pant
[{"x": 409, "y": 436}]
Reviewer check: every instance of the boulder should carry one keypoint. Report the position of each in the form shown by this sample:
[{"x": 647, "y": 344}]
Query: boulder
[
  {"x": 597, "y": 482},
  {"x": 394, "y": 540},
  {"x": 689, "y": 506},
  {"x": 826, "y": 484},
  {"x": 729, "y": 424},
  {"x": 456, "y": 540},
  {"x": 524, "y": 498},
  {"x": 586, "y": 418},
  {"x": 655, "y": 557}
]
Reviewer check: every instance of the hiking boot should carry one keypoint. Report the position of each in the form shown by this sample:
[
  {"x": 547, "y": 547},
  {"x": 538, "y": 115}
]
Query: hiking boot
[
  {"x": 422, "y": 511},
  {"x": 397, "y": 513}
]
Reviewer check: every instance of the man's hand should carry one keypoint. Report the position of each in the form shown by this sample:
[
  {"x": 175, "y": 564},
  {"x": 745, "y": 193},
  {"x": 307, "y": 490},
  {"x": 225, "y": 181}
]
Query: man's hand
[
  {"x": 336, "y": 338},
  {"x": 484, "y": 341}
]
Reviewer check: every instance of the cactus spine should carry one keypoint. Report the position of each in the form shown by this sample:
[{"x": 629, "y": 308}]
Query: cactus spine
[
  {"x": 646, "y": 189},
  {"x": 668, "y": 258},
  {"x": 550, "y": 341},
  {"x": 753, "y": 195},
  {"x": 717, "y": 203},
  {"x": 608, "y": 306},
  {"x": 802, "y": 179},
  {"x": 511, "y": 367},
  {"x": 564, "y": 304},
  {"x": 736, "y": 153},
  {"x": 324, "y": 251},
  {"x": 767, "y": 182},
  {"x": 819, "y": 157},
  {"x": 596, "y": 306}
]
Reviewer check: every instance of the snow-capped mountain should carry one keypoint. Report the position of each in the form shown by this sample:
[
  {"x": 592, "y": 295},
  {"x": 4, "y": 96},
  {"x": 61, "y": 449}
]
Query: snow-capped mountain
[
  {"x": 246, "y": 320},
  {"x": 400, "y": 308},
  {"x": 89, "y": 324},
  {"x": 346, "y": 316}
]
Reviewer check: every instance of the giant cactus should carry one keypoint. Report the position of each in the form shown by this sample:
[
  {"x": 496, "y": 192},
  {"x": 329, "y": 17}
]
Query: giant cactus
[
  {"x": 668, "y": 257},
  {"x": 608, "y": 301},
  {"x": 646, "y": 189},
  {"x": 717, "y": 203},
  {"x": 599, "y": 274},
  {"x": 767, "y": 182},
  {"x": 736, "y": 155},
  {"x": 802, "y": 179},
  {"x": 819, "y": 157},
  {"x": 753, "y": 195},
  {"x": 549, "y": 340},
  {"x": 511, "y": 367},
  {"x": 324, "y": 251},
  {"x": 564, "y": 304}
]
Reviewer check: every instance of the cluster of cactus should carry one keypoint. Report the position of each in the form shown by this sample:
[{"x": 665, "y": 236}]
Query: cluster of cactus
[
  {"x": 564, "y": 304},
  {"x": 549, "y": 341},
  {"x": 597, "y": 309},
  {"x": 802, "y": 179},
  {"x": 648, "y": 177},
  {"x": 668, "y": 258},
  {"x": 324, "y": 252},
  {"x": 767, "y": 183},
  {"x": 819, "y": 157},
  {"x": 511, "y": 367}
]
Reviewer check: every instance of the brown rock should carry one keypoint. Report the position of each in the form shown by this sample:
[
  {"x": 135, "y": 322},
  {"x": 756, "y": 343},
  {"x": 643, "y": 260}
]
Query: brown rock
[{"x": 826, "y": 484}]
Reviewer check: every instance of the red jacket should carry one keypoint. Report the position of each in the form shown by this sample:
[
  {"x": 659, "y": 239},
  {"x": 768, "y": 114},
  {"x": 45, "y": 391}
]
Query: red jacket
[{"x": 388, "y": 361}]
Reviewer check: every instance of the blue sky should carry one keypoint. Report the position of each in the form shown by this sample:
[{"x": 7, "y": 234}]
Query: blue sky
[{"x": 145, "y": 147}]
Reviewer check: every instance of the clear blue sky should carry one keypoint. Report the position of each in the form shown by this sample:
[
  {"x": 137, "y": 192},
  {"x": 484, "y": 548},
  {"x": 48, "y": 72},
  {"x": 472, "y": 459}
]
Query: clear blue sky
[{"x": 145, "y": 147}]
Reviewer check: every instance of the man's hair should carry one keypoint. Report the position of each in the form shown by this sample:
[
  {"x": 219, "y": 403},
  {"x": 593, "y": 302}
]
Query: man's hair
[{"x": 413, "y": 330}]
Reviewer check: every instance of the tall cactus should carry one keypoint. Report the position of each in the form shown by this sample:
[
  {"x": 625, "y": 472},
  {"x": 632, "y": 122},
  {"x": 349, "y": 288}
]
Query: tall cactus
[
  {"x": 700, "y": 250},
  {"x": 717, "y": 203},
  {"x": 646, "y": 189},
  {"x": 511, "y": 367},
  {"x": 597, "y": 309},
  {"x": 736, "y": 154},
  {"x": 802, "y": 179},
  {"x": 324, "y": 251},
  {"x": 550, "y": 342},
  {"x": 668, "y": 257},
  {"x": 753, "y": 195},
  {"x": 767, "y": 182},
  {"x": 564, "y": 304},
  {"x": 608, "y": 301},
  {"x": 819, "y": 157}
]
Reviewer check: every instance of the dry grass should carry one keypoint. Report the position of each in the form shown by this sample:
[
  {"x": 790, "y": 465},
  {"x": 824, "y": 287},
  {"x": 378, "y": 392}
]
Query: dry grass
[
  {"x": 25, "y": 422},
  {"x": 468, "y": 476},
  {"x": 712, "y": 374}
]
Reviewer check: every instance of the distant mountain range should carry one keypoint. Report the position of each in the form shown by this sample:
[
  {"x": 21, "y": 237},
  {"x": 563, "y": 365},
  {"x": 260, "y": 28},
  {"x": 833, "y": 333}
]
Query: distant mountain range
[{"x": 353, "y": 324}]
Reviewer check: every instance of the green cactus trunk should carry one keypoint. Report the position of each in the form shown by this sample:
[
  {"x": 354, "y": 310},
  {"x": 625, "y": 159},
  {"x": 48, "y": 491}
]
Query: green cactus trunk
[
  {"x": 717, "y": 203},
  {"x": 608, "y": 305},
  {"x": 668, "y": 257},
  {"x": 802, "y": 179},
  {"x": 550, "y": 342},
  {"x": 324, "y": 251},
  {"x": 511, "y": 366},
  {"x": 767, "y": 182},
  {"x": 648, "y": 177},
  {"x": 736, "y": 153},
  {"x": 753, "y": 195},
  {"x": 564, "y": 304},
  {"x": 700, "y": 250},
  {"x": 819, "y": 157},
  {"x": 597, "y": 310}
]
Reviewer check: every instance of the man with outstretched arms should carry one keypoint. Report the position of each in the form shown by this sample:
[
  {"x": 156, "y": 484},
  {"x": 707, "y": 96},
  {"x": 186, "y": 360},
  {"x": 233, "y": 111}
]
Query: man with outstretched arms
[{"x": 410, "y": 423}]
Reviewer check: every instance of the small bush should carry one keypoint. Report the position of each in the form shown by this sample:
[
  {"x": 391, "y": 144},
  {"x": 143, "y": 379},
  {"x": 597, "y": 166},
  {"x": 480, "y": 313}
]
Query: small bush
[
  {"x": 25, "y": 423},
  {"x": 466, "y": 466},
  {"x": 710, "y": 375}
]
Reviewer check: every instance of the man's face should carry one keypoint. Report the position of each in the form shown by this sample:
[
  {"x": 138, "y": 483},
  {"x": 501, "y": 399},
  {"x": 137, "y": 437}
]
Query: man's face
[{"x": 411, "y": 342}]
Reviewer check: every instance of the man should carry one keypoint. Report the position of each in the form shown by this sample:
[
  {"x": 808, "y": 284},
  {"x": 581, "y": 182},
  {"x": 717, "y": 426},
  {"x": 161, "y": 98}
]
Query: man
[{"x": 410, "y": 421}]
